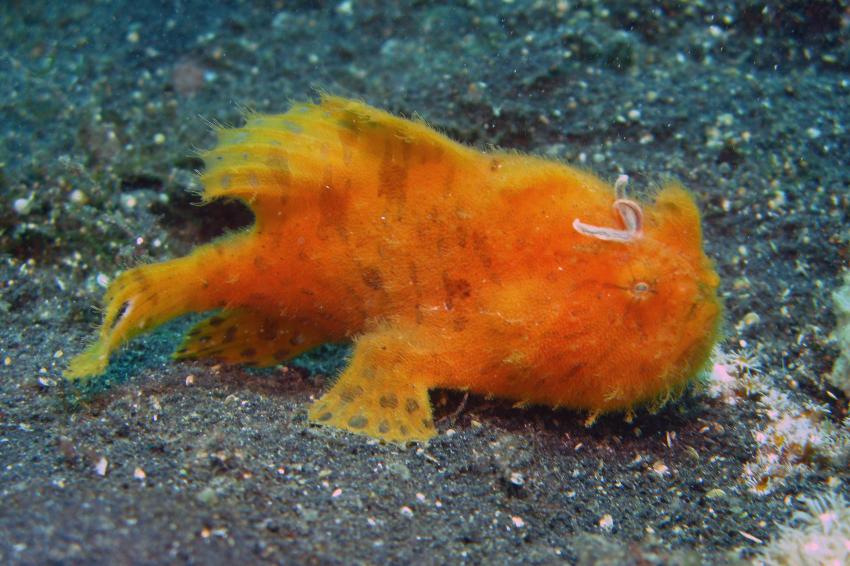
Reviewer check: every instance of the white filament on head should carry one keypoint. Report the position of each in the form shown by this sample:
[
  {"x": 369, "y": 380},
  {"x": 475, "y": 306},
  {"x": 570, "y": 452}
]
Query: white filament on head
[
  {"x": 630, "y": 212},
  {"x": 620, "y": 186}
]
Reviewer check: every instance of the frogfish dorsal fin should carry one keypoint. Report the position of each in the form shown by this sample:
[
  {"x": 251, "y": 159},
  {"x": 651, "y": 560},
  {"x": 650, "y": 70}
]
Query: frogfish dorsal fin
[{"x": 275, "y": 162}]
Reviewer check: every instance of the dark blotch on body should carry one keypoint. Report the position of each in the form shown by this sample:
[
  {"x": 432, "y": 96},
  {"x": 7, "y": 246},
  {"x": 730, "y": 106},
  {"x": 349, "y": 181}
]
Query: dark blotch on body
[{"x": 372, "y": 278}]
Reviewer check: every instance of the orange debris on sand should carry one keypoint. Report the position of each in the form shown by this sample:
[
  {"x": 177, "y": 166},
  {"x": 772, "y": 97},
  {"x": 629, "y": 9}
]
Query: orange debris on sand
[{"x": 498, "y": 273}]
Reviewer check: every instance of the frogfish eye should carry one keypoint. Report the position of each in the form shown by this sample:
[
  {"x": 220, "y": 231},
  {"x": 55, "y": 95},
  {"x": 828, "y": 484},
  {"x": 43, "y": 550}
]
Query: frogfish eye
[{"x": 641, "y": 290}]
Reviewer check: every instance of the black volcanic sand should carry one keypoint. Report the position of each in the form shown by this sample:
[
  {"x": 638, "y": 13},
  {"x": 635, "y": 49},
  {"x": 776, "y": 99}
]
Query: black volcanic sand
[{"x": 103, "y": 107}]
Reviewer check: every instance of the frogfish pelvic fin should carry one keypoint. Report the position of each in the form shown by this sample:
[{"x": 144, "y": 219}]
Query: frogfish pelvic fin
[{"x": 497, "y": 273}]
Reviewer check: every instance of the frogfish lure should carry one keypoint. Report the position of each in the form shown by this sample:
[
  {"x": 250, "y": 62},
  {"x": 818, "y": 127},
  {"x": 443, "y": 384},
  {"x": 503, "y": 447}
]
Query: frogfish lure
[{"x": 497, "y": 273}]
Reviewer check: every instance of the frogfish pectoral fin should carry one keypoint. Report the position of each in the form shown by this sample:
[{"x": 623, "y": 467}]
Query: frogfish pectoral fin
[
  {"x": 376, "y": 396},
  {"x": 248, "y": 337}
]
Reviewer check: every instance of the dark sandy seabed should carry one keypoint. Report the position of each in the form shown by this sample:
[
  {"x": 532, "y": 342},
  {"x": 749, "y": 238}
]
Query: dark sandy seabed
[{"x": 102, "y": 105}]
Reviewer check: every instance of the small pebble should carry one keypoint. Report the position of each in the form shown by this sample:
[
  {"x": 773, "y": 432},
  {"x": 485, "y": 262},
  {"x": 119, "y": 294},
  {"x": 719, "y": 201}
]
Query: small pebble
[
  {"x": 345, "y": 8},
  {"x": 129, "y": 202},
  {"x": 101, "y": 466},
  {"x": 517, "y": 479},
  {"x": 750, "y": 319},
  {"x": 207, "y": 495},
  {"x": 22, "y": 206},
  {"x": 660, "y": 468},
  {"x": 78, "y": 197}
]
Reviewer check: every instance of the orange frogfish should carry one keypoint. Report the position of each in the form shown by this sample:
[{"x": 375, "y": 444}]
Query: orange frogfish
[{"x": 496, "y": 273}]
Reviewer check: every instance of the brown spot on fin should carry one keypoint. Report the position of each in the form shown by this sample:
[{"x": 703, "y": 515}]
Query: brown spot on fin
[{"x": 247, "y": 337}]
